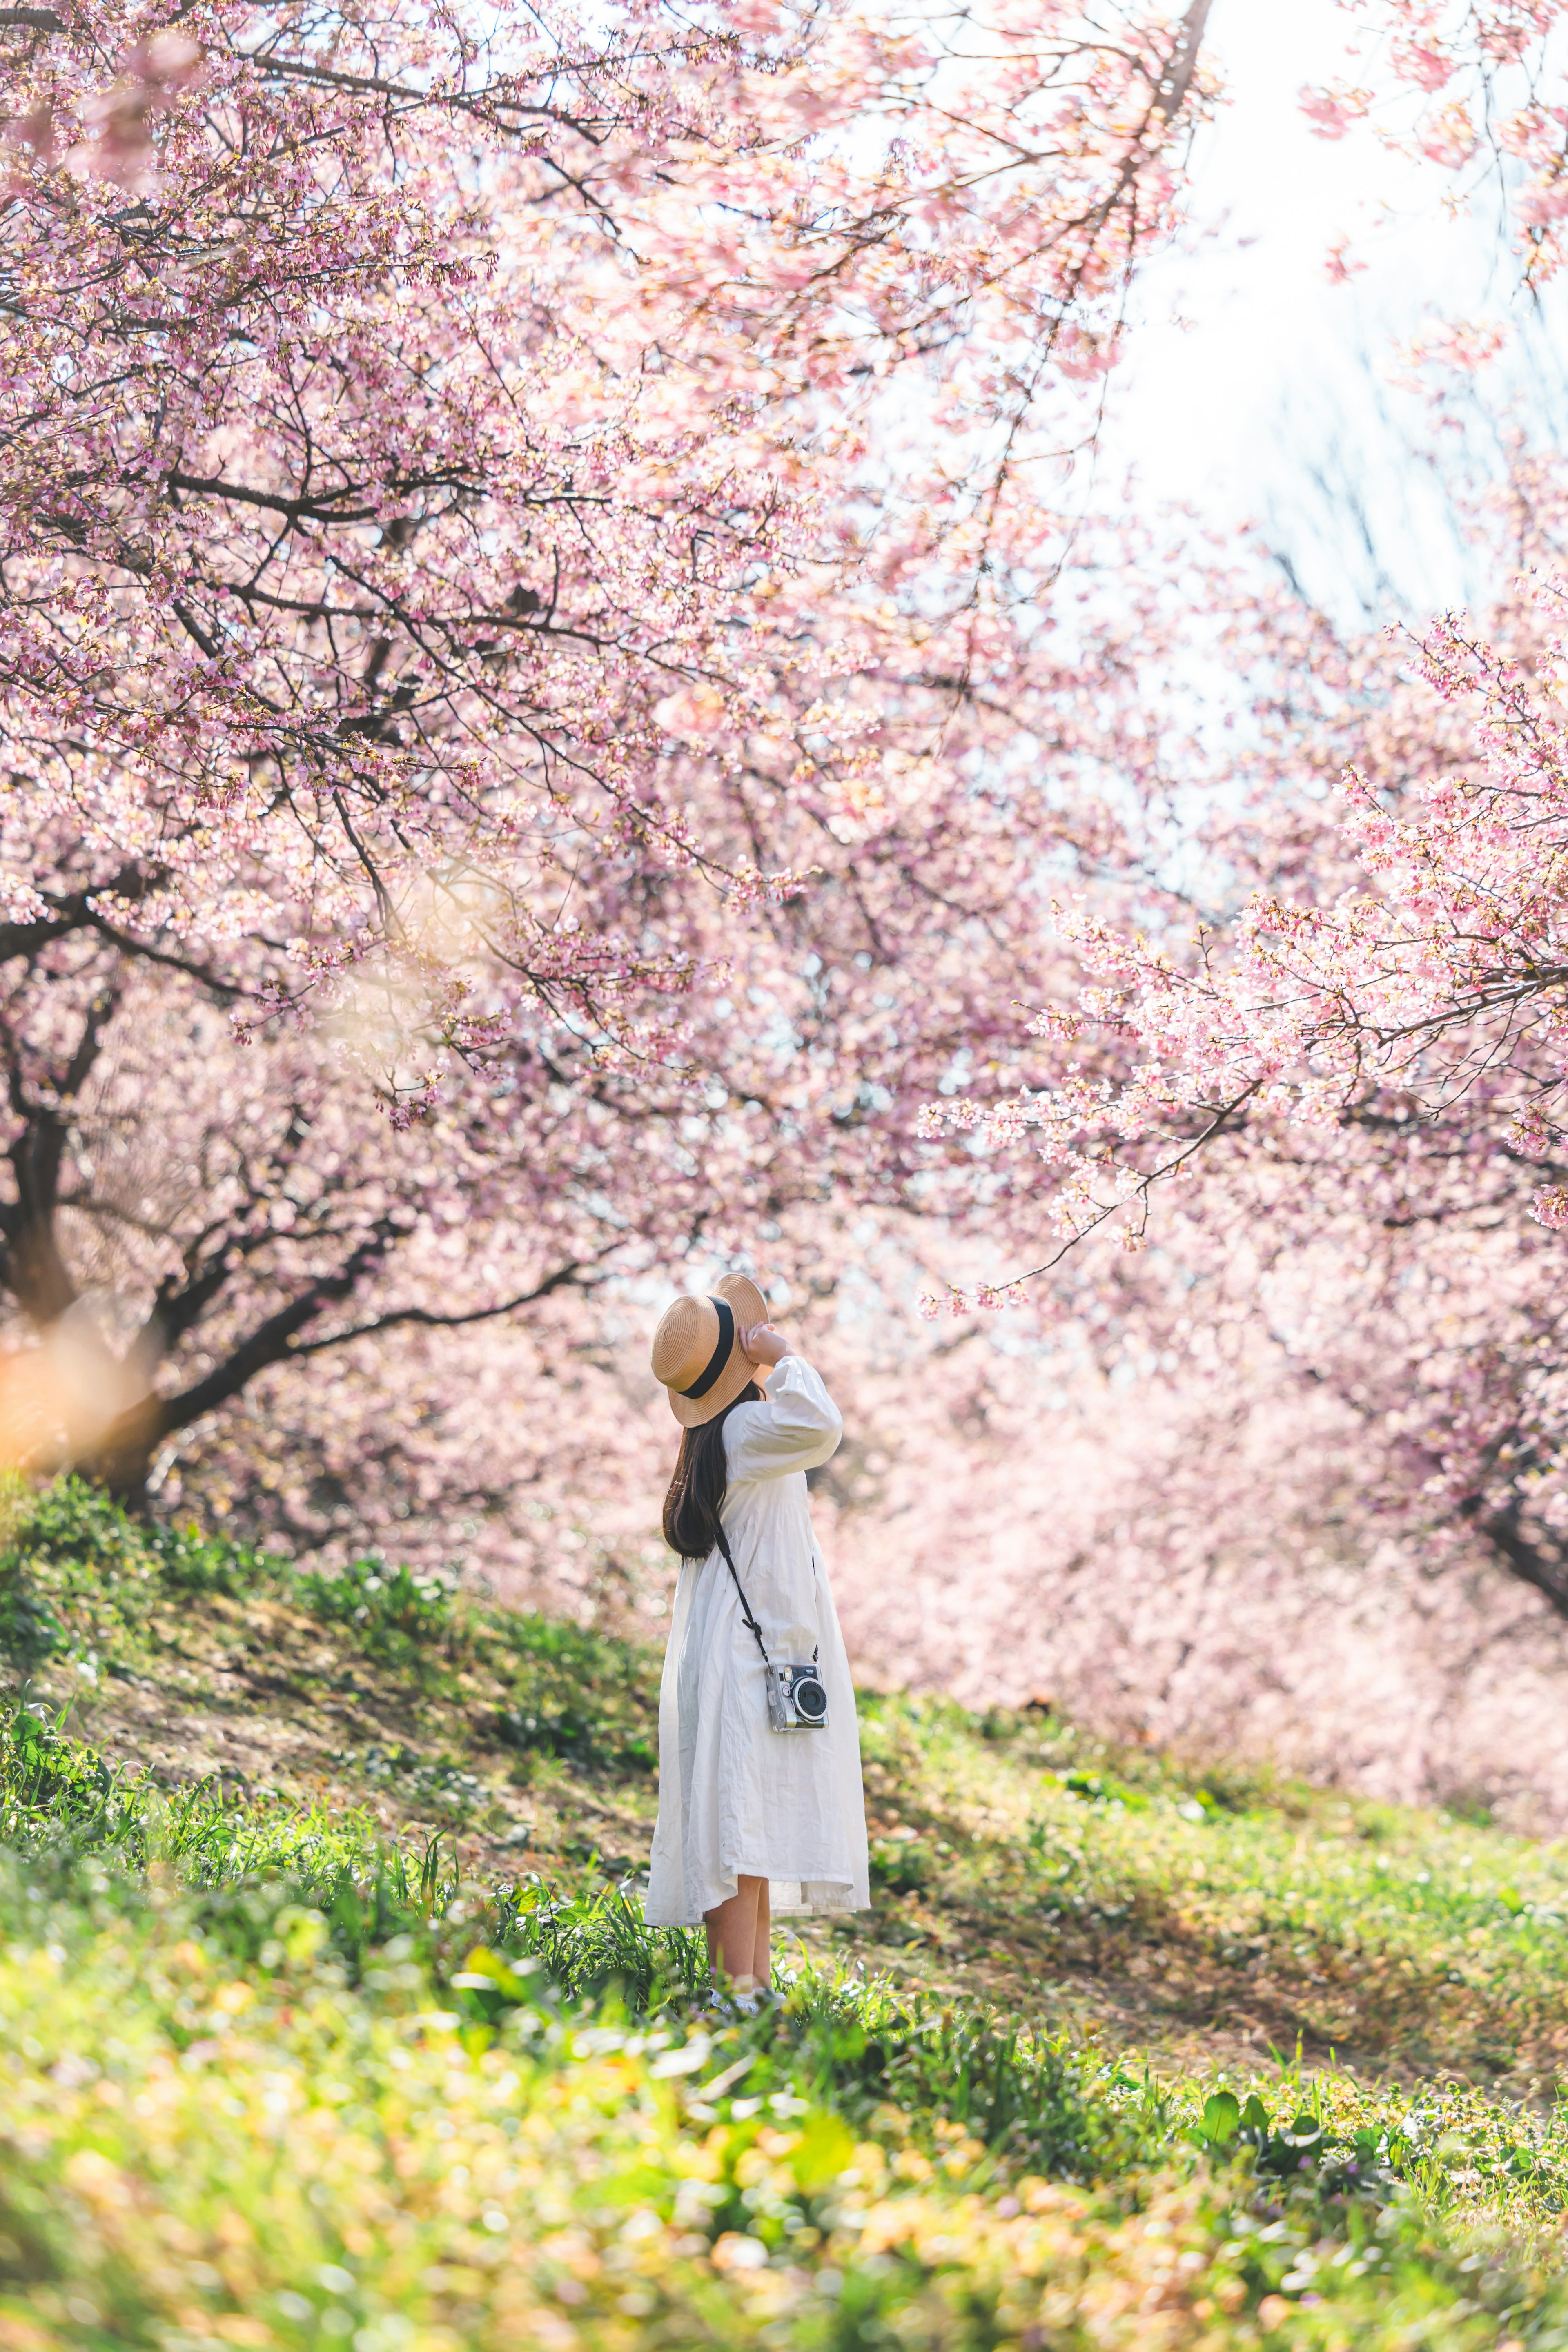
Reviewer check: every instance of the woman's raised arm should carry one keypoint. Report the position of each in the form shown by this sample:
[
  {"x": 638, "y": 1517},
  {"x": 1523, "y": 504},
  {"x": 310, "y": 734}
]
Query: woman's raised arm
[{"x": 796, "y": 1427}]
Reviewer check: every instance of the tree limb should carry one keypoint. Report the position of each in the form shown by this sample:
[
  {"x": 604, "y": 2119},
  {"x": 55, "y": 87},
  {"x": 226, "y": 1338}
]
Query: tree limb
[{"x": 426, "y": 1321}]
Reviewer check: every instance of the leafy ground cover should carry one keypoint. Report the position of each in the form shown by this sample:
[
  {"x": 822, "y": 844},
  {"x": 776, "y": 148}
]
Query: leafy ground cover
[{"x": 327, "y": 2016}]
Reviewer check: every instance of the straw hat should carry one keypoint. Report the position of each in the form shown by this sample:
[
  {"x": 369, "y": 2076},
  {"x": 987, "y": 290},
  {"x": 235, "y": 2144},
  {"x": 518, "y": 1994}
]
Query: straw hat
[{"x": 697, "y": 1350}]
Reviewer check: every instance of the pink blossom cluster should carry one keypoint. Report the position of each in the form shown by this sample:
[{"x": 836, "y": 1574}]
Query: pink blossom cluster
[
  {"x": 1435, "y": 974},
  {"x": 1454, "y": 83}
]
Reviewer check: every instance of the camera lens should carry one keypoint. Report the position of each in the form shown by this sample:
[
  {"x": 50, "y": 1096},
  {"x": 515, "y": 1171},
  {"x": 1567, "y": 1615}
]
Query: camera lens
[{"x": 810, "y": 1699}]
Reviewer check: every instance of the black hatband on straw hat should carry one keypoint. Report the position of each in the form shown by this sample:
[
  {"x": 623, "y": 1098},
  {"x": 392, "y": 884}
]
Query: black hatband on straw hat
[{"x": 720, "y": 1356}]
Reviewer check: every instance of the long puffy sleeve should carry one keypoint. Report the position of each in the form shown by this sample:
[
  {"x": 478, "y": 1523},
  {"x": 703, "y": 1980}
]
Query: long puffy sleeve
[{"x": 796, "y": 1427}]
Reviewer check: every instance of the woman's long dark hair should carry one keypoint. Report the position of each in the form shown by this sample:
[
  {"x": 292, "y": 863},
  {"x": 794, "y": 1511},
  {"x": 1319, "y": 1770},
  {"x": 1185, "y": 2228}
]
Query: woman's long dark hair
[{"x": 696, "y": 1493}]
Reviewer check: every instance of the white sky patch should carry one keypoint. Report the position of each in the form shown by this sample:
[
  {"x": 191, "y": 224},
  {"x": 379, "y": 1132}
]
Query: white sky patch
[{"x": 1250, "y": 367}]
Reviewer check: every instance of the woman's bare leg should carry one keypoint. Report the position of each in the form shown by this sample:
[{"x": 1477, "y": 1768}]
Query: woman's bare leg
[
  {"x": 733, "y": 1933},
  {"x": 762, "y": 1956}
]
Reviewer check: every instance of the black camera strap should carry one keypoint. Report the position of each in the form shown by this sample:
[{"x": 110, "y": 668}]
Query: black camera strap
[{"x": 745, "y": 1604}]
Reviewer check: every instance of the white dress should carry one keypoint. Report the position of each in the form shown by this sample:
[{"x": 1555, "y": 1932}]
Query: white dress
[{"x": 736, "y": 1798}]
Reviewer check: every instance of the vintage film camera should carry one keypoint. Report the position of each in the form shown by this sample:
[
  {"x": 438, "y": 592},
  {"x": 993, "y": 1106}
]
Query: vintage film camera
[
  {"x": 797, "y": 1695},
  {"x": 798, "y": 1698}
]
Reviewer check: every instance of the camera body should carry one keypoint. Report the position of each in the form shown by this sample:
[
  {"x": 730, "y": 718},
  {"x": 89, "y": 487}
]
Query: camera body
[{"x": 798, "y": 1698}]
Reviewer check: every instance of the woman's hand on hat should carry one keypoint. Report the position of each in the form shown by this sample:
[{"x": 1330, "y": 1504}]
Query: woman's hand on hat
[{"x": 764, "y": 1345}]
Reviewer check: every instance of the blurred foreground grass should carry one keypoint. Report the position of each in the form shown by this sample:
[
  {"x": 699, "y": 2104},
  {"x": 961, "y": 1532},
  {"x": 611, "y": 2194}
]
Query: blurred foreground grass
[{"x": 323, "y": 2022}]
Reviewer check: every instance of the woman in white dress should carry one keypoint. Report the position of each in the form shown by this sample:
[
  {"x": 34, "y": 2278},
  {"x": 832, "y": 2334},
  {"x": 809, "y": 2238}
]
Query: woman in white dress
[{"x": 754, "y": 1821}]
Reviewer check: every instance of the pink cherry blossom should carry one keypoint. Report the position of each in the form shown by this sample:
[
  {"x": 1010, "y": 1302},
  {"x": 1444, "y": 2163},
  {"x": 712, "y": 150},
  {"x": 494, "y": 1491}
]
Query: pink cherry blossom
[
  {"x": 1495, "y": 70},
  {"x": 488, "y": 555}
]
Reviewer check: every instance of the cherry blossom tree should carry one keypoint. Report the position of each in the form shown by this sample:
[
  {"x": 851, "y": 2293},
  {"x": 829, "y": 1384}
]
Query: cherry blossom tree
[
  {"x": 508, "y": 539},
  {"x": 1310, "y": 1073},
  {"x": 1197, "y": 1561},
  {"x": 1313, "y": 1093}
]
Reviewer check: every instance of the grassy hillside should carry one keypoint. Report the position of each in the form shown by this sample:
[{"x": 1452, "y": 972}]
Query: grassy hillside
[{"x": 325, "y": 2017}]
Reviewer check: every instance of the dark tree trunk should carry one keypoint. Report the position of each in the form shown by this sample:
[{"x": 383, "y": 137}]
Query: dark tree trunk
[
  {"x": 122, "y": 1461},
  {"x": 1535, "y": 1560}
]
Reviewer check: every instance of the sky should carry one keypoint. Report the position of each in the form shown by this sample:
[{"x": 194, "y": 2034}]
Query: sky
[{"x": 1249, "y": 366}]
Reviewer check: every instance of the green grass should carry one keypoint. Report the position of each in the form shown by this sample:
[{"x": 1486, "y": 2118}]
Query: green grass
[
  {"x": 1396, "y": 1937},
  {"x": 308, "y": 2063}
]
